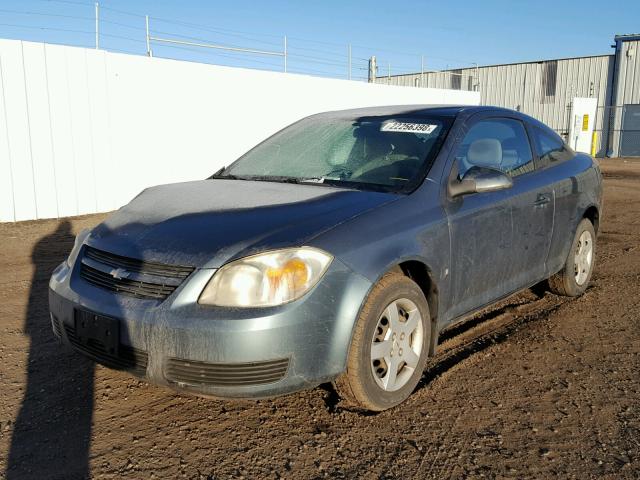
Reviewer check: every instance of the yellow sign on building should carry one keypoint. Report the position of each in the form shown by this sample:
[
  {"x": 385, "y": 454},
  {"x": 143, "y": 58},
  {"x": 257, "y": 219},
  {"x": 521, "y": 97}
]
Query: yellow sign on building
[{"x": 585, "y": 122}]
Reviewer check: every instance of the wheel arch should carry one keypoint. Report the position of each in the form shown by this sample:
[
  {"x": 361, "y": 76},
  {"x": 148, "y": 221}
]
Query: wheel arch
[
  {"x": 593, "y": 215},
  {"x": 418, "y": 271}
]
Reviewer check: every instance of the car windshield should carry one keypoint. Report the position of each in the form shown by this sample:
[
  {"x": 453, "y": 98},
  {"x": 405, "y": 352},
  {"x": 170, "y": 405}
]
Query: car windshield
[{"x": 389, "y": 153}]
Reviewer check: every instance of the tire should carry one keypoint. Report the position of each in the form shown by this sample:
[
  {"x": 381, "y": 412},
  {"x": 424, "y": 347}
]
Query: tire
[
  {"x": 576, "y": 273},
  {"x": 365, "y": 384}
]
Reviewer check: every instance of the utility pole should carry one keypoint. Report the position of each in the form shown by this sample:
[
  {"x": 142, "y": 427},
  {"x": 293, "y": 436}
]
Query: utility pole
[
  {"x": 422, "y": 71},
  {"x": 146, "y": 21},
  {"x": 285, "y": 54},
  {"x": 372, "y": 69},
  {"x": 97, "y": 27}
]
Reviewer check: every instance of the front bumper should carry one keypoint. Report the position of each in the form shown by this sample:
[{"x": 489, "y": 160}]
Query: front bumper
[{"x": 214, "y": 351}]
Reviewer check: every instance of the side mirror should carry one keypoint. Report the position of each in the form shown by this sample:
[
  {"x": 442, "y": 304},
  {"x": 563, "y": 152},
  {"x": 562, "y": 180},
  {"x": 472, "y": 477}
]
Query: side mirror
[{"x": 478, "y": 180}]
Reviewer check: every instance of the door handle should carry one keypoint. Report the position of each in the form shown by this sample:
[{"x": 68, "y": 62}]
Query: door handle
[{"x": 542, "y": 199}]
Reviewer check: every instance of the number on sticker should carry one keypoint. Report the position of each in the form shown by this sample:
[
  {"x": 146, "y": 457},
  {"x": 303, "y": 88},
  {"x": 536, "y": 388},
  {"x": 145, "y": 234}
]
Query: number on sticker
[{"x": 408, "y": 127}]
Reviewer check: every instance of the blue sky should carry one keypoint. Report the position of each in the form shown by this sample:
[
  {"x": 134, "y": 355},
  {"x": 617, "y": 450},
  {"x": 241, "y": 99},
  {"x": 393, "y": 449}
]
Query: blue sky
[{"x": 448, "y": 34}]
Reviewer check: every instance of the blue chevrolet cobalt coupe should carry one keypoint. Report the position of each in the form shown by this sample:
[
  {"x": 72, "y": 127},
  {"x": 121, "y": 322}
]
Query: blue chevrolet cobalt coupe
[{"x": 334, "y": 251}]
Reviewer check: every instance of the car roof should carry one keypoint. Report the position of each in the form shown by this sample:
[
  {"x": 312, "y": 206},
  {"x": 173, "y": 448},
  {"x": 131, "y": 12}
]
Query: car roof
[{"x": 418, "y": 110}]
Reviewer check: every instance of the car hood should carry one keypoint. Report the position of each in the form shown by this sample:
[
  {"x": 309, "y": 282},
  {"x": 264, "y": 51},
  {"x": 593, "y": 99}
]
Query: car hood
[{"x": 209, "y": 222}]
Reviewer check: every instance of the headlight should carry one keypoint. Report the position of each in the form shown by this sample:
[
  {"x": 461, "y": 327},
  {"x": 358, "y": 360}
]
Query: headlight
[
  {"x": 266, "y": 279},
  {"x": 80, "y": 238}
]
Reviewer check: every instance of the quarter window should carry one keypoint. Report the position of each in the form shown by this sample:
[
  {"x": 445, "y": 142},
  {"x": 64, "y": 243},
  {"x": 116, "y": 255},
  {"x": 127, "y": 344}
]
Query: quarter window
[
  {"x": 500, "y": 143},
  {"x": 550, "y": 147}
]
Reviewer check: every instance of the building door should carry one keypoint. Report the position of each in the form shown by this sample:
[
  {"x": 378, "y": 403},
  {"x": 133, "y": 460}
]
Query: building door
[
  {"x": 583, "y": 116},
  {"x": 630, "y": 134}
]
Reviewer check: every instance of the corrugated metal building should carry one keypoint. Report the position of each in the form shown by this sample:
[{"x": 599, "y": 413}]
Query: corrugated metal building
[
  {"x": 624, "y": 137},
  {"x": 545, "y": 89}
]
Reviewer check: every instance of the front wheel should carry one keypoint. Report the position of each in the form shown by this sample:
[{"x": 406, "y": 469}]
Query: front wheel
[
  {"x": 390, "y": 345},
  {"x": 576, "y": 273}
]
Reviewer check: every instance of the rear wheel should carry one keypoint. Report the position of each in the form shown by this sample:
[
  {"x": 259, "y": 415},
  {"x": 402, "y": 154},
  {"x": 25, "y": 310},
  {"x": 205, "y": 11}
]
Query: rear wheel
[
  {"x": 390, "y": 345},
  {"x": 574, "y": 277}
]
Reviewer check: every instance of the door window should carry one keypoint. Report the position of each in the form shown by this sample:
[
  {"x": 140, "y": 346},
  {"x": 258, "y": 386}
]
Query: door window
[{"x": 498, "y": 143}]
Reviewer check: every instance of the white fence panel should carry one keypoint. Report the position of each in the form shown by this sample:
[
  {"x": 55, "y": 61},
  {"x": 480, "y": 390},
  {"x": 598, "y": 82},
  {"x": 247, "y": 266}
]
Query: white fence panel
[
  {"x": 61, "y": 132},
  {"x": 85, "y": 130},
  {"x": 7, "y": 211},
  {"x": 104, "y": 175},
  {"x": 36, "y": 88},
  {"x": 18, "y": 134},
  {"x": 81, "y": 132}
]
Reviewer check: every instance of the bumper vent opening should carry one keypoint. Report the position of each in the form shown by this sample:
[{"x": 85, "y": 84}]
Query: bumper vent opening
[
  {"x": 191, "y": 373},
  {"x": 113, "y": 272},
  {"x": 55, "y": 325},
  {"x": 130, "y": 359}
]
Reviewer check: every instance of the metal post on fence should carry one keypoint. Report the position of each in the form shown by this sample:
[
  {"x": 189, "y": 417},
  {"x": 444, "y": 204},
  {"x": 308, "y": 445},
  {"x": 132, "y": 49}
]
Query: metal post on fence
[
  {"x": 422, "y": 71},
  {"x": 97, "y": 26},
  {"x": 285, "y": 54},
  {"x": 373, "y": 70},
  {"x": 349, "y": 61},
  {"x": 146, "y": 21}
]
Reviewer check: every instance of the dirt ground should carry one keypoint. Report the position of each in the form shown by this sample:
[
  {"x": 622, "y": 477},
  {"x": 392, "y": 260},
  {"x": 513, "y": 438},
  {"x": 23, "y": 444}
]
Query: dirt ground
[{"x": 539, "y": 386}]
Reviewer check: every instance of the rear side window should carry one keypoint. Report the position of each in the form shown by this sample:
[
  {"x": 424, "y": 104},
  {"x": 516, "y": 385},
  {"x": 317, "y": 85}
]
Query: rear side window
[
  {"x": 550, "y": 146},
  {"x": 499, "y": 143}
]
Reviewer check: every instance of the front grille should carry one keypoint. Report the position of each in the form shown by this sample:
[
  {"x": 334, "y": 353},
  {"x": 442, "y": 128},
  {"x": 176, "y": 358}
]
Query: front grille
[
  {"x": 128, "y": 358},
  {"x": 125, "y": 286},
  {"x": 192, "y": 373},
  {"x": 160, "y": 279},
  {"x": 135, "y": 265}
]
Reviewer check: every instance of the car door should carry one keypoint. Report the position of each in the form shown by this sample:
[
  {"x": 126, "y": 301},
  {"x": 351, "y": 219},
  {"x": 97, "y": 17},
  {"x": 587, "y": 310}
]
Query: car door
[
  {"x": 533, "y": 211},
  {"x": 498, "y": 239},
  {"x": 553, "y": 153}
]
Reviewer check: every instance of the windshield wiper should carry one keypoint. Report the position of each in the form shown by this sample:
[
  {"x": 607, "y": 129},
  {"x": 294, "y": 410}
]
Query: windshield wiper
[
  {"x": 321, "y": 181},
  {"x": 312, "y": 180},
  {"x": 217, "y": 174},
  {"x": 226, "y": 177},
  {"x": 297, "y": 180},
  {"x": 268, "y": 178}
]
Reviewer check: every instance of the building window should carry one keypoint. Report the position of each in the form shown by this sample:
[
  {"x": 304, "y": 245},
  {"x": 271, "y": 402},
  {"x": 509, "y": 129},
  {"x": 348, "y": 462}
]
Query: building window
[
  {"x": 549, "y": 80},
  {"x": 456, "y": 79}
]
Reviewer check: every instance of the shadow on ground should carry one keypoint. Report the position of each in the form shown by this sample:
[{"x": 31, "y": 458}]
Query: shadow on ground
[{"x": 52, "y": 432}]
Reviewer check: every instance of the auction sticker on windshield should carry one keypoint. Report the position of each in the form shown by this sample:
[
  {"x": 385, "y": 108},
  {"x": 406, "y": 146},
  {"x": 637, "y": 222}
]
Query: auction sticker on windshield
[{"x": 408, "y": 127}]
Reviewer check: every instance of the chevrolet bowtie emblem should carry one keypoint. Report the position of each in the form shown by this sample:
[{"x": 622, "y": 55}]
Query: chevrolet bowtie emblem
[{"x": 119, "y": 273}]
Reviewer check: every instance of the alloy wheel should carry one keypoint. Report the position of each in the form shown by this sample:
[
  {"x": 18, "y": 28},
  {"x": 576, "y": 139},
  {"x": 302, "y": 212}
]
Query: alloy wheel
[
  {"x": 583, "y": 257},
  {"x": 397, "y": 344}
]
